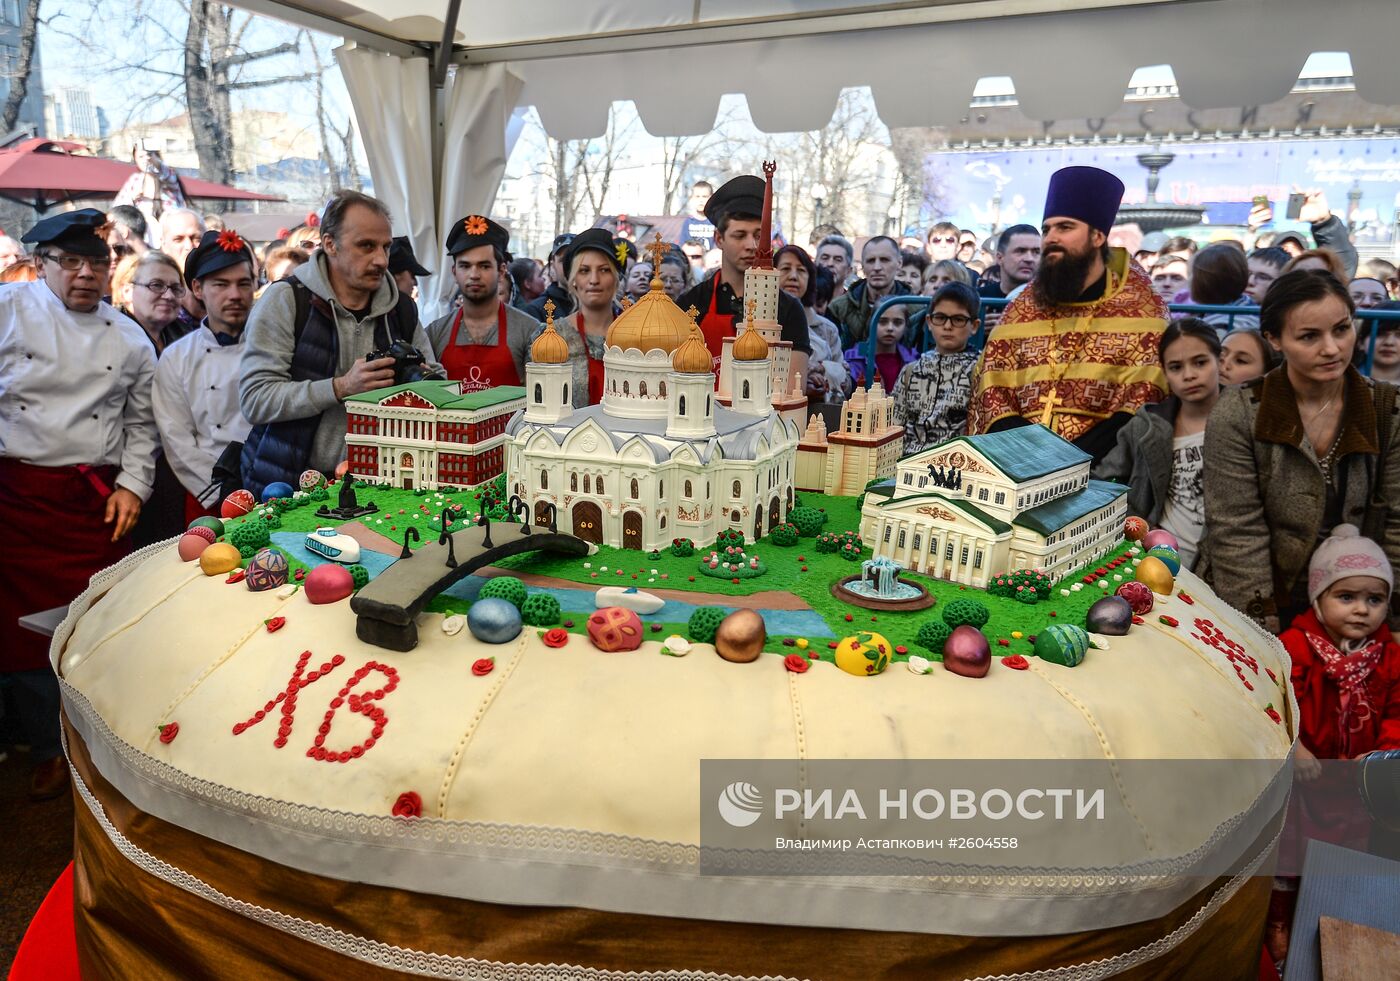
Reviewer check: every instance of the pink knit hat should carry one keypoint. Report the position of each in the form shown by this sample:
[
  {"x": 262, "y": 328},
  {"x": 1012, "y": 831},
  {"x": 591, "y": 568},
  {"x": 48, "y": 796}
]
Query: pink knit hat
[{"x": 1345, "y": 554}]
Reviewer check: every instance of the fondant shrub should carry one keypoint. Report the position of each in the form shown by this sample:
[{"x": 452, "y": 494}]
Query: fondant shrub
[
  {"x": 682, "y": 547},
  {"x": 359, "y": 575},
  {"x": 540, "y": 610},
  {"x": 785, "y": 535},
  {"x": 966, "y": 611},
  {"x": 249, "y": 535},
  {"x": 932, "y": 635},
  {"x": 809, "y": 521},
  {"x": 727, "y": 538},
  {"x": 508, "y": 588},
  {"x": 704, "y": 622}
]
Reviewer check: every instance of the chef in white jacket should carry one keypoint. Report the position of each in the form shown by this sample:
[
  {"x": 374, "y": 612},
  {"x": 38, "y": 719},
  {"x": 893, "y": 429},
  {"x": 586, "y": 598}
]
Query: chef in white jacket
[
  {"x": 77, "y": 454},
  {"x": 196, "y": 387}
]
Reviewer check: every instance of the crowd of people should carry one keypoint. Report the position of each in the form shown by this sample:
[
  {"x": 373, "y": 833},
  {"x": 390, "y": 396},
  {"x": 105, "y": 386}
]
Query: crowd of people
[{"x": 139, "y": 385}]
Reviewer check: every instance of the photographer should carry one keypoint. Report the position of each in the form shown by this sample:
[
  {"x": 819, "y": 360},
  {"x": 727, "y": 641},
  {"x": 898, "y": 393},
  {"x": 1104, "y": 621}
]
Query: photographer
[{"x": 308, "y": 340}]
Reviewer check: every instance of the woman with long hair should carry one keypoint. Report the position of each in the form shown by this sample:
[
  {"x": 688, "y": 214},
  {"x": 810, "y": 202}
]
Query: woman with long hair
[{"x": 1292, "y": 455}]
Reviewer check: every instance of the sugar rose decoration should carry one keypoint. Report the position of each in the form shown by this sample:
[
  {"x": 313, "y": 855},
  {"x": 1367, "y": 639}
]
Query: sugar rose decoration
[{"x": 409, "y": 805}]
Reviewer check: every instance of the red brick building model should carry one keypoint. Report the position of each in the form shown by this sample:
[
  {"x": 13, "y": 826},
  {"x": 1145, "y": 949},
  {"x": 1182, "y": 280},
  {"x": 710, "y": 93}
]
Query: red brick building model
[{"x": 429, "y": 434}]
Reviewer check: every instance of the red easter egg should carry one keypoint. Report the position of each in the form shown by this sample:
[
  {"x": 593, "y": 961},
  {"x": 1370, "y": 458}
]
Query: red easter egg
[
  {"x": 328, "y": 583},
  {"x": 237, "y": 504}
]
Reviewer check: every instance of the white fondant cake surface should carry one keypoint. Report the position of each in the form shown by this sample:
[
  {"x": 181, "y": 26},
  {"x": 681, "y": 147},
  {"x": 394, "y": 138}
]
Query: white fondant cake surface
[{"x": 581, "y": 740}]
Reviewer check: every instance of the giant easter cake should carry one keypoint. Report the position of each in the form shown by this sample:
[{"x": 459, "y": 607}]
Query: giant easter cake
[{"x": 265, "y": 793}]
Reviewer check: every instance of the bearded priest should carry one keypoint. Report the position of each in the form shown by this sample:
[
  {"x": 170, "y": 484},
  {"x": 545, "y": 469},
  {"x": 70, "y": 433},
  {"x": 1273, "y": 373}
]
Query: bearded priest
[{"x": 1076, "y": 350}]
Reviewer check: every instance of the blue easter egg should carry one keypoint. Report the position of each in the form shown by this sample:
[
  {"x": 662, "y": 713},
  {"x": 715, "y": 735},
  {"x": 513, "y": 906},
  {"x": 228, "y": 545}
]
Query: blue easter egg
[
  {"x": 1168, "y": 556},
  {"x": 494, "y": 621},
  {"x": 277, "y": 488}
]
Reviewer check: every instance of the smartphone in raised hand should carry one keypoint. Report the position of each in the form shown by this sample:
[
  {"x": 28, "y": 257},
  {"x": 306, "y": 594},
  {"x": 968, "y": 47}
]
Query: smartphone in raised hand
[{"x": 1295, "y": 206}]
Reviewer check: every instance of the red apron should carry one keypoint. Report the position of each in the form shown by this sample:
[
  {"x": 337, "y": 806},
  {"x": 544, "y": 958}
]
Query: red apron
[
  {"x": 194, "y": 509},
  {"x": 716, "y": 326},
  {"x": 53, "y": 517},
  {"x": 480, "y": 366},
  {"x": 595, "y": 367}
]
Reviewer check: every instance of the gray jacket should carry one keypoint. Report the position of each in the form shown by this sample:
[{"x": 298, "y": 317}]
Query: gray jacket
[
  {"x": 1265, "y": 493},
  {"x": 1142, "y": 459},
  {"x": 266, "y": 391}
]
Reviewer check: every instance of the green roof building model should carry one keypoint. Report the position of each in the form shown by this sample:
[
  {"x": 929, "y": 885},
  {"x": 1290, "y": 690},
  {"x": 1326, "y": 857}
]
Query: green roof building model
[
  {"x": 977, "y": 507},
  {"x": 429, "y": 434}
]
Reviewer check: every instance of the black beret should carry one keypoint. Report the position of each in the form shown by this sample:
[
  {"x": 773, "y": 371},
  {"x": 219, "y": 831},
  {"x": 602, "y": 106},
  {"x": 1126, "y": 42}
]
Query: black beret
[
  {"x": 597, "y": 239},
  {"x": 402, "y": 259},
  {"x": 475, "y": 230},
  {"x": 72, "y": 231},
  {"x": 215, "y": 251},
  {"x": 741, "y": 196}
]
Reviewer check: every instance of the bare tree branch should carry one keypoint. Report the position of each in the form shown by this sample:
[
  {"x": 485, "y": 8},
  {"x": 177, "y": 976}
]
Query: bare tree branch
[{"x": 19, "y": 83}]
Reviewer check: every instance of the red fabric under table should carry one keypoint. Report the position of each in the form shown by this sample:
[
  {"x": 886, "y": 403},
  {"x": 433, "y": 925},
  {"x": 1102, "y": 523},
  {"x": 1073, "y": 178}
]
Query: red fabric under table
[{"x": 49, "y": 950}]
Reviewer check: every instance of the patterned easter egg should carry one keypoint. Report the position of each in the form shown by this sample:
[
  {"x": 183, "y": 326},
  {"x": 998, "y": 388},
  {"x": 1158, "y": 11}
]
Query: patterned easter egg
[
  {"x": 204, "y": 532},
  {"x": 1062, "y": 643},
  {"x": 276, "y": 489},
  {"x": 267, "y": 569},
  {"x": 1111, "y": 616},
  {"x": 494, "y": 621},
  {"x": 219, "y": 558},
  {"x": 864, "y": 654},
  {"x": 1169, "y": 557},
  {"x": 237, "y": 504},
  {"x": 613, "y": 628},
  {"x": 1134, "y": 529},
  {"x": 192, "y": 546},
  {"x": 1153, "y": 572},
  {"x": 1139, "y": 597},
  {"x": 213, "y": 524},
  {"x": 1159, "y": 537},
  {"x": 310, "y": 480}
]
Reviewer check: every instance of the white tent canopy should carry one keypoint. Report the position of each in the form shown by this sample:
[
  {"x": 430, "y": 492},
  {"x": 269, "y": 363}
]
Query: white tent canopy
[{"x": 675, "y": 59}]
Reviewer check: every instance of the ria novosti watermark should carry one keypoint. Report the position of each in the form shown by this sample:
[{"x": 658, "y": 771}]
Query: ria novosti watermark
[{"x": 995, "y": 817}]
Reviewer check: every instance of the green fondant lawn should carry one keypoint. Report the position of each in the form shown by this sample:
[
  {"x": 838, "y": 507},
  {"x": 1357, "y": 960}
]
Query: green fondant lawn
[{"x": 784, "y": 573}]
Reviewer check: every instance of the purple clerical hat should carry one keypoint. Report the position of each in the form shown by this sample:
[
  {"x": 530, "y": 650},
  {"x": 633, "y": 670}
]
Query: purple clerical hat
[{"x": 1086, "y": 194}]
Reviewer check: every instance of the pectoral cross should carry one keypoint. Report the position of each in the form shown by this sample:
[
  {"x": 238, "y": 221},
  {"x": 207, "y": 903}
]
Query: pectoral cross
[{"x": 1052, "y": 403}]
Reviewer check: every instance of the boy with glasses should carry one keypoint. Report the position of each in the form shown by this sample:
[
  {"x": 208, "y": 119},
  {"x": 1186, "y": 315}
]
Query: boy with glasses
[
  {"x": 932, "y": 393},
  {"x": 77, "y": 454}
]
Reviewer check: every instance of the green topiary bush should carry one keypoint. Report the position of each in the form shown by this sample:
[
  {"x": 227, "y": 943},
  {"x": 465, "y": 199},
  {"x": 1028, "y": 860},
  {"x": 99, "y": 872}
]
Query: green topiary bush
[
  {"x": 933, "y": 635},
  {"x": 809, "y": 521},
  {"x": 359, "y": 575},
  {"x": 250, "y": 535},
  {"x": 728, "y": 537},
  {"x": 682, "y": 547},
  {"x": 540, "y": 610},
  {"x": 1026, "y": 585},
  {"x": 785, "y": 535},
  {"x": 732, "y": 563},
  {"x": 828, "y": 542},
  {"x": 704, "y": 622},
  {"x": 320, "y": 494},
  {"x": 966, "y": 611},
  {"x": 508, "y": 588},
  {"x": 850, "y": 549}
]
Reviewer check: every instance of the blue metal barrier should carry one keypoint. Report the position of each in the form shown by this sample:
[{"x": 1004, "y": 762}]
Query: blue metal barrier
[{"x": 1367, "y": 320}]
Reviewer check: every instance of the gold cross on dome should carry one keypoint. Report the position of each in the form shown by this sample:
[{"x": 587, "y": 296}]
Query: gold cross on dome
[
  {"x": 753, "y": 311},
  {"x": 1051, "y": 406},
  {"x": 549, "y": 312},
  {"x": 659, "y": 251}
]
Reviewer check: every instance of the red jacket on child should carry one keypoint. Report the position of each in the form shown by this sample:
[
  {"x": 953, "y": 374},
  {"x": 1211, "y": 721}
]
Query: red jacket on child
[{"x": 1319, "y": 698}]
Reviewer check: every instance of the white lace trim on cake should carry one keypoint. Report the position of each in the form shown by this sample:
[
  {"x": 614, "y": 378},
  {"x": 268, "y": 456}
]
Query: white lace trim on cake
[{"x": 427, "y": 964}]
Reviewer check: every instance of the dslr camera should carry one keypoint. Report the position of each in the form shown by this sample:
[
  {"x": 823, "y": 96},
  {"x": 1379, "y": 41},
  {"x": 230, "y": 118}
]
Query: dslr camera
[{"x": 409, "y": 363}]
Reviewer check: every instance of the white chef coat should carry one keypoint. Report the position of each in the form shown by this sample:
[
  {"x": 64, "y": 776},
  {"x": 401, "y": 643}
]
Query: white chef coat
[
  {"x": 75, "y": 388},
  {"x": 196, "y": 403}
]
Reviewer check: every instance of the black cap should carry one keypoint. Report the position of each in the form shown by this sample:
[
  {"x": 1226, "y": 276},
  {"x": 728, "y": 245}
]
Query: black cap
[
  {"x": 402, "y": 259},
  {"x": 741, "y": 196},
  {"x": 215, "y": 251},
  {"x": 475, "y": 230},
  {"x": 72, "y": 231},
  {"x": 561, "y": 242},
  {"x": 597, "y": 239}
]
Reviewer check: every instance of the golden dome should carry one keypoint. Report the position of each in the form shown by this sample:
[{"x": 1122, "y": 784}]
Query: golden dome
[
  {"x": 654, "y": 321},
  {"x": 549, "y": 347},
  {"x": 750, "y": 346},
  {"x": 693, "y": 357}
]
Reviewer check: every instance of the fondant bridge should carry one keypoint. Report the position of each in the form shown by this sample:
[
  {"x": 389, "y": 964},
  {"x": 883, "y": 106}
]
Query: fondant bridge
[{"x": 387, "y": 608}]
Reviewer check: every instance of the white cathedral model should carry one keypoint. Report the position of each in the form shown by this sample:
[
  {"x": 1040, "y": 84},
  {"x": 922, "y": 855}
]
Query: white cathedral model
[{"x": 661, "y": 457}]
